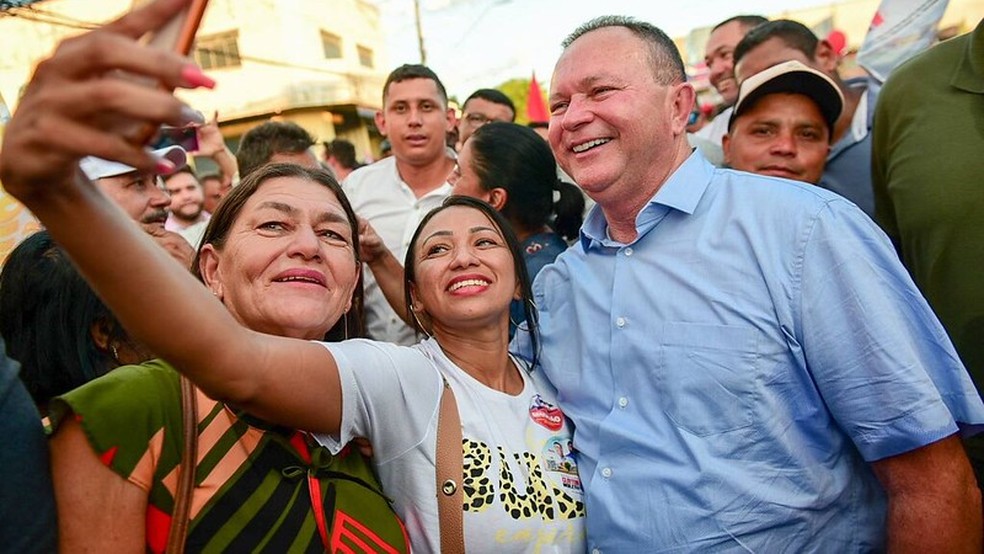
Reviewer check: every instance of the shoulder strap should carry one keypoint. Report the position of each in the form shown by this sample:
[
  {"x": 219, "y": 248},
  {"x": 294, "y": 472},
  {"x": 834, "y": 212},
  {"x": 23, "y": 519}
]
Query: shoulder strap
[
  {"x": 450, "y": 503},
  {"x": 186, "y": 471}
]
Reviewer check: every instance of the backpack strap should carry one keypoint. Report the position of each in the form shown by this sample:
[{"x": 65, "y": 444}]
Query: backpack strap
[
  {"x": 450, "y": 503},
  {"x": 186, "y": 471}
]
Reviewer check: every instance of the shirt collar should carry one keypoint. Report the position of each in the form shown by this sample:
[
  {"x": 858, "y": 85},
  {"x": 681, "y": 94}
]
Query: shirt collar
[
  {"x": 969, "y": 74},
  {"x": 682, "y": 191}
]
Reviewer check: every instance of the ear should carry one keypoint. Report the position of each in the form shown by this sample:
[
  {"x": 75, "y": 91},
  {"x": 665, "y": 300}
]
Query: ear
[
  {"x": 415, "y": 305},
  {"x": 208, "y": 266},
  {"x": 681, "y": 98},
  {"x": 381, "y": 122},
  {"x": 355, "y": 282},
  {"x": 450, "y": 124},
  {"x": 498, "y": 198},
  {"x": 726, "y": 147},
  {"x": 99, "y": 331},
  {"x": 826, "y": 57}
]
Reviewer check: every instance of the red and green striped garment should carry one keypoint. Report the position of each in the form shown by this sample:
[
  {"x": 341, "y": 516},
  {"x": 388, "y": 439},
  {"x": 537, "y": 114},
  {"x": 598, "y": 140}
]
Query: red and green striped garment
[{"x": 253, "y": 484}]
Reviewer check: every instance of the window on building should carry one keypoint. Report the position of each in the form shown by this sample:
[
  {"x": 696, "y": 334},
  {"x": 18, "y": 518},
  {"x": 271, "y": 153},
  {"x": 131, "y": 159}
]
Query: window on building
[
  {"x": 218, "y": 51},
  {"x": 332, "y": 45},
  {"x": 365, "y": 56}
]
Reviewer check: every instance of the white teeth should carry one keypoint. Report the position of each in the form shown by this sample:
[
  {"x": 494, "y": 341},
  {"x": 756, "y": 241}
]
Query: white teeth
[
  {"x": 589, "y": 145},
  {"x": 469, "y": 283},
  {"x": 305, "y": 279}
]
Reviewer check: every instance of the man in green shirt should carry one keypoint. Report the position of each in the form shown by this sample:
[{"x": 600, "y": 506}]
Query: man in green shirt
[{"x": 928, "y": 174}]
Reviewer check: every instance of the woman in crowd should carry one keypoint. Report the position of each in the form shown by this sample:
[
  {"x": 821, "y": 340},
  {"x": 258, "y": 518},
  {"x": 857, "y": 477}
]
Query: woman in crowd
[
  {"x": 512, "y": 168},
  {"x": 55, "y": 325},
  {"x": 256, "y": 484},
  {"x": 463, "y": 270}
]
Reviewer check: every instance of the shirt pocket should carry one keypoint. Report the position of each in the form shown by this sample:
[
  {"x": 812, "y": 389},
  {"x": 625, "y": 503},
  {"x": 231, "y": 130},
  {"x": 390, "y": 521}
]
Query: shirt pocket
[{"x": 708, "y": 378}]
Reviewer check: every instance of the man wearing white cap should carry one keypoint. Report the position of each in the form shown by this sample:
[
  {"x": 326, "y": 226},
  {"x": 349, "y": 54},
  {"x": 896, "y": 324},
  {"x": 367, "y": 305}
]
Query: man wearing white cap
[
  {"x": 783, "y": 122},
  {"x": 142, "y": 197}
]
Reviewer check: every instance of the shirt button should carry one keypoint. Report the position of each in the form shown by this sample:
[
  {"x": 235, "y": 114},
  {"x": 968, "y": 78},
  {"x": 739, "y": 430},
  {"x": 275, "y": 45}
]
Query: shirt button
[
  {"x": 606, "y": 472},
  {"x": 620, "y": 322},
  {"x": 623, "y": 402},
  {"x": 628, "y": 251}
]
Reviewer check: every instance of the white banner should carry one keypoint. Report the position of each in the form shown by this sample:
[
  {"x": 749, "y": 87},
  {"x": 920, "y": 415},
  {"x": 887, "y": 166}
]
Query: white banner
[{"x": 900, "y": 29}]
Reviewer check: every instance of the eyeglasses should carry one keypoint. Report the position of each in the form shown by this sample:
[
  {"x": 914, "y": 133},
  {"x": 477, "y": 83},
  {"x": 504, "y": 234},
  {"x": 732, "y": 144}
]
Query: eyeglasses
[{"x": 478, "y": 119}]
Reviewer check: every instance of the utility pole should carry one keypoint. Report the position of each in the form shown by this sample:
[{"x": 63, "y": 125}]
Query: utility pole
[{"x": 420, "y": 32}]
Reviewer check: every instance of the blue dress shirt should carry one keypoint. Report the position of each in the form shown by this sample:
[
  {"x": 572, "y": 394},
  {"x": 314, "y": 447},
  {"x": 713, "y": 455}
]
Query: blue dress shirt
[{"x": 732, "y": 371}]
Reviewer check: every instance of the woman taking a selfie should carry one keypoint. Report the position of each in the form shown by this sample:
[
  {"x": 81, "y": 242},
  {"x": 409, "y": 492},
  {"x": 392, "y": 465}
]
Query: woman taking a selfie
[
  {"x": 118, "y": 442},
  {"x": 289, "y": 264}
]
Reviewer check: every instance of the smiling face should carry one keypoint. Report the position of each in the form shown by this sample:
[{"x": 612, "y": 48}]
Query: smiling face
[
  {"x": 464, "y": 271},
  {"x": 782, "y": 135},
  {"x": 416, "y": 120},
  {"x": 613, "y": 128},
  {"x": 718, "y": 58},
  {"x": 287, "y": 266}
]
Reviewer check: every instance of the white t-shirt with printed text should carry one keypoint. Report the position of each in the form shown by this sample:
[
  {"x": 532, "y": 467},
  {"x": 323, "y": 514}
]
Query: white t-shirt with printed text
[{"x": 521, "y": 489}]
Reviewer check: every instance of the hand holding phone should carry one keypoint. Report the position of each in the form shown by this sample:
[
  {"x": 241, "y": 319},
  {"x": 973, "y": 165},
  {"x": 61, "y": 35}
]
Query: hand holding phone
[{"x": 177, "y": 35}]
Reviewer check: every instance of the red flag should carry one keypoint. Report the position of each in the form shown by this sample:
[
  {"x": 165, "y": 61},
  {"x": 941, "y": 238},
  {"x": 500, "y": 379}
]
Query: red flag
[{"x": 536, "y": 109}]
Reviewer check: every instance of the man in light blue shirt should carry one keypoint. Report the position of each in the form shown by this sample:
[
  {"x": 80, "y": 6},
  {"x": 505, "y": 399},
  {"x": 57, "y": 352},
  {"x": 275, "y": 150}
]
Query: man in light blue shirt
[{"x": 747, "y": 365}]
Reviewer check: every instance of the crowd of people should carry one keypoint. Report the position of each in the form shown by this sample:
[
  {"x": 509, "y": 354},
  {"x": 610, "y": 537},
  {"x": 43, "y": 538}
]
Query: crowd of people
[{"x": 584, "y": 337}]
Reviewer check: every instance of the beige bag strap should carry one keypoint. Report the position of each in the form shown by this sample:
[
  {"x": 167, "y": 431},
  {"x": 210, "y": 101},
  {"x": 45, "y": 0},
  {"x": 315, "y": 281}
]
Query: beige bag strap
[
  {"x": 186, "y": 471},
  {"x": 450, "y": 503}
]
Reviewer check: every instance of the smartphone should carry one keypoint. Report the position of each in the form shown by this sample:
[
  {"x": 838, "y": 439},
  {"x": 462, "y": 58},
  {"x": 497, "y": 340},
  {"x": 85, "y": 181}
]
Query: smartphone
[
  {"x": 177, "y": 35},
  {"x": 185, "y": 137}
]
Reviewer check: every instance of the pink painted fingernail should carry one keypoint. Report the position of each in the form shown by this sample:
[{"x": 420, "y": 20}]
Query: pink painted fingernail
[{"x": 192, "y": 76}]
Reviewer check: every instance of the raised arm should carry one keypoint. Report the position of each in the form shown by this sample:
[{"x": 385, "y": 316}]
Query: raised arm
[
  {"x": 386, "y": 269},
  {"x": 77, "y": 105},
  {"x": 211, "y": 144}
]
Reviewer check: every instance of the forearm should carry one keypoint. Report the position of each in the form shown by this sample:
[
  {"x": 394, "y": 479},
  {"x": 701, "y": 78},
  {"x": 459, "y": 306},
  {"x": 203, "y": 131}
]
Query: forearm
[
  {"x": 935, "y": 523},
  {"x": 227, "y": 164},
  {"x": 934, "y": 504},
  {"x": 389, "y": 276}
]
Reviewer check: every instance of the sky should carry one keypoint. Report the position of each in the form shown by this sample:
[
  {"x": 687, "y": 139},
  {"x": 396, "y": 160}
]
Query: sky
[{"x": 472, "y": 44}]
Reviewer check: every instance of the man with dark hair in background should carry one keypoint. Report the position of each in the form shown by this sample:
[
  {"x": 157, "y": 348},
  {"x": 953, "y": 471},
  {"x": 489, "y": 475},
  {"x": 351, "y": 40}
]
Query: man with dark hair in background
[
  {"x": 187, "y": 216},
  {"x": 718, "y": 55},
  {"x": 393, "y": 194},
  {"x": 340, "y": 157},
  {"x": 927, "y": 168},
  {"x": 485, "y": 105},
  {"x": 782, "y": 123},
  {"x": 848, "y": 171},
  {"x": 275, "y": 141},
  {"x": 214, "y": 189}
]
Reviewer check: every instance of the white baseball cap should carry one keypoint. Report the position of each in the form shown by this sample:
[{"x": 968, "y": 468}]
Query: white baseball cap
[
  {"x": 792, "y": 77},
  {"x": 98, "y": 168}
]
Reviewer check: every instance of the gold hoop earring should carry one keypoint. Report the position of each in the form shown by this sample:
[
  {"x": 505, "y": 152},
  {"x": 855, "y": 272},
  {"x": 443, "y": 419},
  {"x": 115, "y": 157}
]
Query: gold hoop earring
[{"x": 420, "y": 326}]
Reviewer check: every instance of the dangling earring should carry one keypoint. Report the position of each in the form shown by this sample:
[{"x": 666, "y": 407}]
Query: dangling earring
[
  {"x": 116, "y": 354},
  {"x": 420, "y": 326},
  {"x": 345, "y": 334}
]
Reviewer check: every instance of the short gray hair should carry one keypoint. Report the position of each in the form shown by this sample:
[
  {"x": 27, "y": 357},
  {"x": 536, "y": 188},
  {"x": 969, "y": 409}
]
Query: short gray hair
[{"x": 665, "y": 57}]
